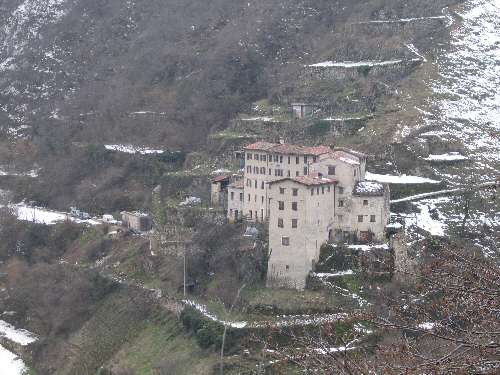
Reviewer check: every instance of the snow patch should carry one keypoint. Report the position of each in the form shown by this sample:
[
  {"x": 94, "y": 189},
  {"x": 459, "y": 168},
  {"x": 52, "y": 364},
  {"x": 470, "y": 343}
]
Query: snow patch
[{"x": 402, "y": 179}]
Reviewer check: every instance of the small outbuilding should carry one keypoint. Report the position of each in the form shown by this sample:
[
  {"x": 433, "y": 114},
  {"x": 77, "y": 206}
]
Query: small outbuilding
[
  {"x": 303, "y": 110},
  {"x": 219, "y": 190}
]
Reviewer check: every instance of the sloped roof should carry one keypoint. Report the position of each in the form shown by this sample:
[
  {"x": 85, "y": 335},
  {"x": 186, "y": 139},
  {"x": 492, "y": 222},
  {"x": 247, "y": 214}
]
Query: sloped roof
[
  {"x": 220, "y": 178},
  {"x": 289, "y": 149},
  {"x": 310, "y": 180},
  {"x": 369, "y": 188}
]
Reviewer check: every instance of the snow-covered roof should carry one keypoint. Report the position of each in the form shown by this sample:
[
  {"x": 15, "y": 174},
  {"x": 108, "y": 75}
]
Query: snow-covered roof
[{"x": 368, "y": 188}]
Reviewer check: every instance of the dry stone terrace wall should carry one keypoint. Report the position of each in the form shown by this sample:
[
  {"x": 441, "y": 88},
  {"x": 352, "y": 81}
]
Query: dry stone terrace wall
[{"x": 398, "y": 69}]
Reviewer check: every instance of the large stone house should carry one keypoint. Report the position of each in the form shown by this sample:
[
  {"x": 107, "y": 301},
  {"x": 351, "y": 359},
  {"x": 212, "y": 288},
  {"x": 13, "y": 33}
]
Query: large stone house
[{"x": 308, "y": 195}]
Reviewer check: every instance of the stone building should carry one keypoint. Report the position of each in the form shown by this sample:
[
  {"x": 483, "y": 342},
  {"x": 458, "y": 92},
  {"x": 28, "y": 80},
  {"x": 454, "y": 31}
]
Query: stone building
[
  {"x": 218, "y": 194},
  {"x": 303, "y": 110},
  {"x": 308, "y": 196},
  {"x": 235, "y": 200},
  {"x": 138, "y": 221}
]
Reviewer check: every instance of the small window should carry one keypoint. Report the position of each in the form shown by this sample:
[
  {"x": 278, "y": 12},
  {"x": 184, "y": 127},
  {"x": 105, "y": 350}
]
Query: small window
[
  {"x": 262, "y": 199},
  {"x": 341, "y": 190},
  {"x": 281, "y": 205},
  {"x": 365, "y": 202},
  {"x": 262, "y": 185},
  {"x": 294, "y": 206},
  {"x": 280, "y": 223},
  {"x": 285, "y": 241},
  {"x": 263, "y": 158},
  {"x": 282, "y": 190},
  {"x": 289, "y": 160},
  {"x": 241, "y": 197},
  {"x": 232, "y": 195},
  {"x": 275, "y": 158},
  {"x": 288, "y": 173},
  {"x": 312, "y": 191},
  {"x": 270, "y": 171},
  {"x": 256, "y": 184},
  {"x": 322, "y": 190},
  {"x": 295, "y": 192},
  {"x": 305, "y": 159},
  {"x": 341, "y": 203},
  {"x": 305, "y": 171},
  {"x": 360, "y": 218},
  {"x": 249, "y": 197},
  {"x": 262, "y": 170},
  {"x": 281, "y": 159},
  {"x": 256, "y": 156},
  {"x": 372, "y": 218},
  {"x": 294, "y": 223},
  {"x": 249, "y": 156},
  {"x": 255, "y": 200},
  {"x": 249, "y": 169},
  {"x": 250, "y": 213},
  {"x": 297, "y": 160},
  {"x": 331, "y": 170},
  {"x": 287, "y": 267}
]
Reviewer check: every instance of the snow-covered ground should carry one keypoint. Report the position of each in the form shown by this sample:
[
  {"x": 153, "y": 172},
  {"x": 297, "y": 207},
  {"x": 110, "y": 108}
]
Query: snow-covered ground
[
  {"x": 403, "y": 179},
  {"x": 358, "y": 64},
  {"x": 130, "y": 149},
  {"x": 45, "y": 216},
  {"x": 464, "y": 110},
  {"x": 10, "y": 364}
]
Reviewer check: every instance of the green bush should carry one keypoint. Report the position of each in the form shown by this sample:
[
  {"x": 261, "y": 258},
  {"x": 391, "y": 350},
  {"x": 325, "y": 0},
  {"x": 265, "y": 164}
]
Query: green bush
[{"x": 319, "y": 128}]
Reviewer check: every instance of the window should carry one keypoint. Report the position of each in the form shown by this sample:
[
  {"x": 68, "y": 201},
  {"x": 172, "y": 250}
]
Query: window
[
  {"x": 250, "y": 213},
  {"x": 288, "y": 173},
  {"x": 262, "y": 170},
  {"x": 305, "y": 171},
  {"x": 256, "y": 184},
  {"x": 360, "y": 218},
  {"x": 287, "y": 267},
  {"x": 262, "y": 199},
  {"x": 249, "y": 198},
  {"x": 294, "y": 206},
  {"x": 249, "y": 169},
  {"x": 285, "y": 241},
  {"x": 341, "y": 190},
  {"x": 294, "y": 223},
  {"x": 295, "y": 192},
  {"x": 281, "y": 205},
  {"x": 282, "y": 190},
  {"x": 314, "y": 159},
  {"x": 297, "y": 160},
  {"x": 275, "y": 158},
  {"x": 255, "y": 170},
  {"x": 281, "y": 159},
  {"x": 263, "y": 158},
  {"x": 270, "y": 171},
  {"x": 305, "y": 159},
  {"x": 312, "y": 192},
  {"x": 232, "y": 195},
  {"x": 262, "y": 184},
  {"x": 365, "y": 202},
  {"x": 249, "y": 156},
  {"x": 241, "y": 197},
  {"x": 372, "y": 218},
  {"x": 280, "y": 223},
  {"x": 289, "y": 160},
  {"x": 322, "y": 190},
  {"x": 331, "y": 170},
  {"x": 256, "y": 156},
  {"x": 255, "y": 200},
  {"x": 341, "y": 203},
  {"x": 317, "y": 190}
]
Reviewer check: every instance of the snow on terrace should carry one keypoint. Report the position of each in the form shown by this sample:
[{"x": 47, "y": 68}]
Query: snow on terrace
[
  {"x": 449, "y": 157},
  {"x": 402, "y": 179},
  {"x": 130, "y": 149},
  {"x": 10, "y": 364},
  {"x": 279, "y": 321},
  {"x": 45, "y": 216},
  {"x": 358, "y": 64}
]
